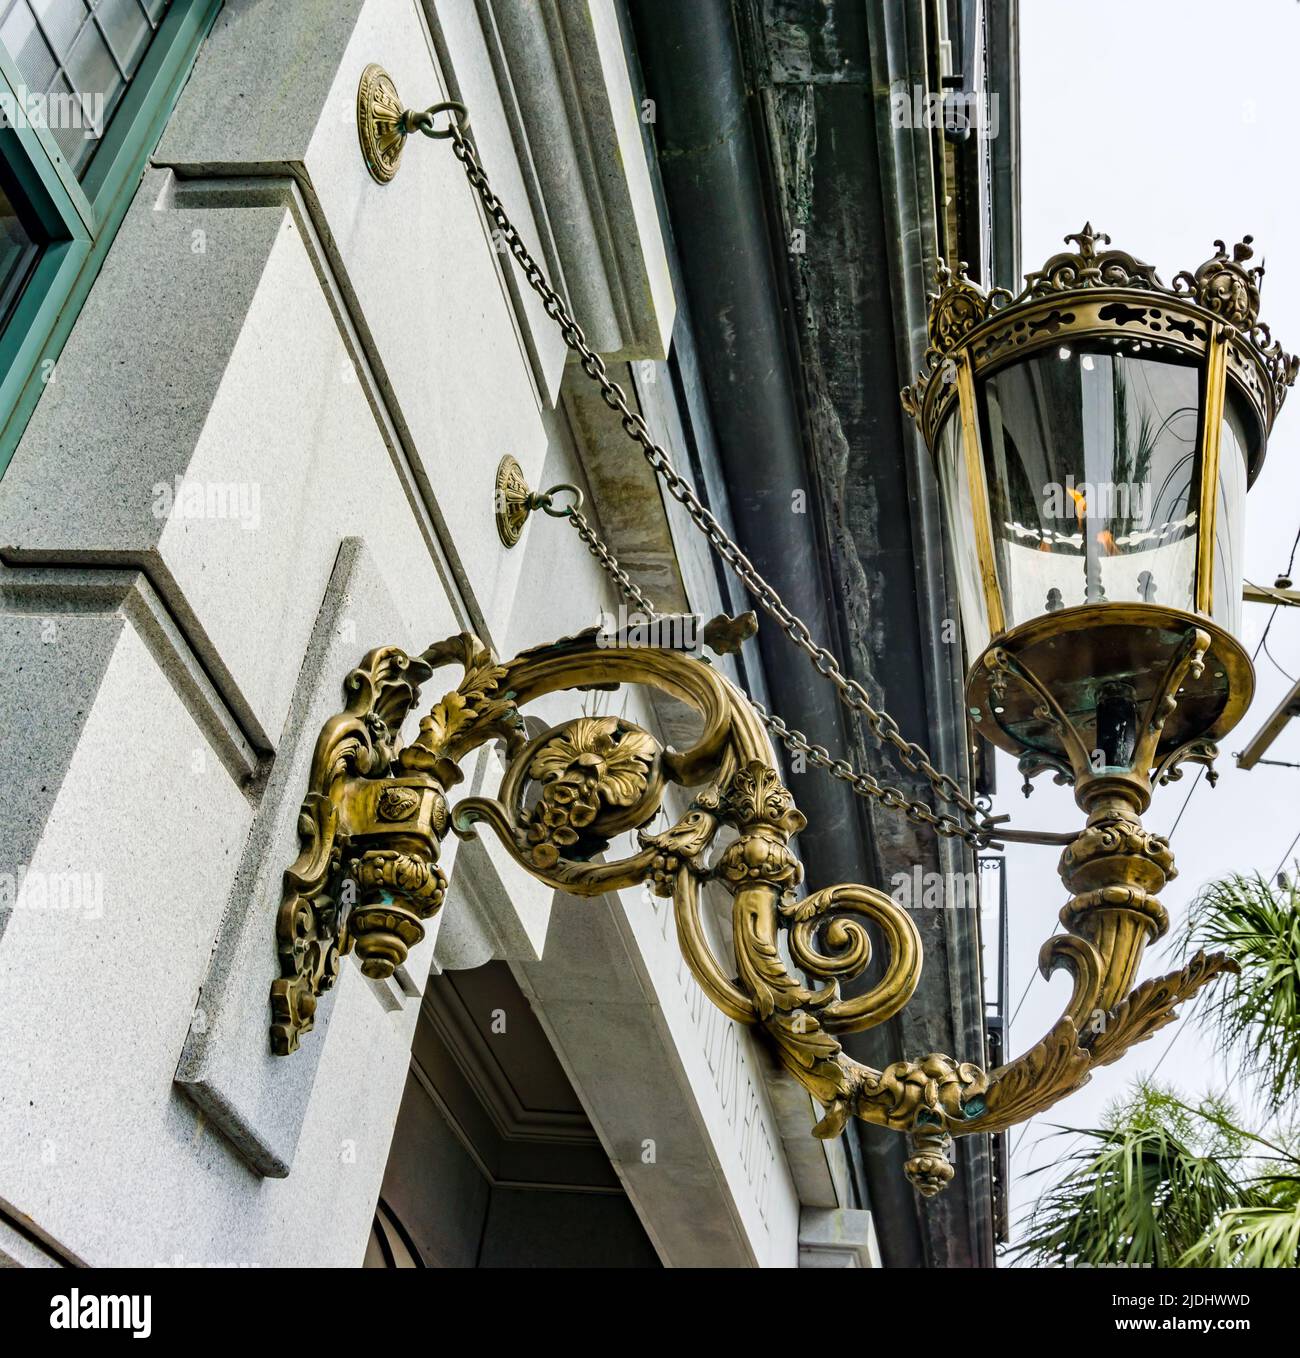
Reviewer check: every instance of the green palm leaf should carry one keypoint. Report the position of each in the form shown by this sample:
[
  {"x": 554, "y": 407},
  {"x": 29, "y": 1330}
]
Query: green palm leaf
[
  {"x": 1256, "y": 1014},
  {"x": 1145, "y": 1188}
]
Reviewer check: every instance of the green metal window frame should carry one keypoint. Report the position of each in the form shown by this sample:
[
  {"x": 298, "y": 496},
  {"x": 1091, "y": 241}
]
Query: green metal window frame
[{"x": 78, "y": 219}]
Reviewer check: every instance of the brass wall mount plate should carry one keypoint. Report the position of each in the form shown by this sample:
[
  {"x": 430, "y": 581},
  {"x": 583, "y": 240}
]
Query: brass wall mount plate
[
  {"x": 513, "y": 501},
  {"x": 379, "y": 123}
]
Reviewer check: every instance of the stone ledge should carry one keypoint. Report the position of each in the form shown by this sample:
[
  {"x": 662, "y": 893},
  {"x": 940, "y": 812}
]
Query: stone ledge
[{"x": 840, "y": 1237}]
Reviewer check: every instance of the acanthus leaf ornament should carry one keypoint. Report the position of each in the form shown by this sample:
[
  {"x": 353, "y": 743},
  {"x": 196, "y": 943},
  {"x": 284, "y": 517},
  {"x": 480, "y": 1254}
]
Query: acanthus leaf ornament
[
  {"x": 367, "y": 876},
  {"x": 359, "y": 742},
  {"x": 596, "y": 776}
]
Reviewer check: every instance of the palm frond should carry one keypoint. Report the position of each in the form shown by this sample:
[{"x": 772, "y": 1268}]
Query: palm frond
[
  {"x": 1256, "y": 1014},
  {"x": 1145, "y": 1188},
  {"x": 1262, "y": 1235}
]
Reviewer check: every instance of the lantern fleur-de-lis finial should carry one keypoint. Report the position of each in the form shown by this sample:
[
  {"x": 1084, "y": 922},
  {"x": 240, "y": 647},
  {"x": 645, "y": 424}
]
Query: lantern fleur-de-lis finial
[{"x": 1087, "y": 240}]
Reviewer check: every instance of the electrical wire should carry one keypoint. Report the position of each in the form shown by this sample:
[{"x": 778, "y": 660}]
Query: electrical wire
[
  {"x": 1290, "y": 561},
  {"x": 1196, "y": 782},
  {"x": 1286, "y": 574},
  {"x": 1263, "y": 645},
  {"x": 1019, "y": 1006},
  {"x": 1177, "y": 1034},
  {"x": 1284, "y": 673},
  {"x": 1285, "y": 856}
]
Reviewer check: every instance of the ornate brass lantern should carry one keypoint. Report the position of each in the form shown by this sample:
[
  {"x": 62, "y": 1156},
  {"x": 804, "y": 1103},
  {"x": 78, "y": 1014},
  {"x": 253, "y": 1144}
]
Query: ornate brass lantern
[{"x": 1094, "y": 437}]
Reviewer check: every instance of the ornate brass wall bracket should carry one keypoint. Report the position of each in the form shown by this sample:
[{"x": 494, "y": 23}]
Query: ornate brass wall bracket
[
  {"x": 370, "y": 828},
  {"x": 367, "y": 878},
  {"x": 571, "y": 791}
]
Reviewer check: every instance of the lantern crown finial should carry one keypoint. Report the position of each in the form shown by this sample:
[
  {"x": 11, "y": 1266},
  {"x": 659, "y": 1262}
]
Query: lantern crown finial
[
  {"x": 1225, "y": 286},
  {"x": 1087, "y": 267},
  {"x": 1066, "y": 300},
  {"x": 1087, "y": 239}
]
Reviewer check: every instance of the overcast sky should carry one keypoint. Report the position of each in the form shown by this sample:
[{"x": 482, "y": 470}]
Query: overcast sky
[{"x": 1167, "y": 124}]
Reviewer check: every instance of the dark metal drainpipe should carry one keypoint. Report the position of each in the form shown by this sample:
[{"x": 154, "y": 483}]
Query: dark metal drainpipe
[
  {"x": 730, "y": 263},
  {"x": 719, "y": 216}
]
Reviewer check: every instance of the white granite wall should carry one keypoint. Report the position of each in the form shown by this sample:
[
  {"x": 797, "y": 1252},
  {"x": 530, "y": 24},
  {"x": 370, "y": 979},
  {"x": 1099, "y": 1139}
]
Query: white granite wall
[{"x": 333, "y": 369}]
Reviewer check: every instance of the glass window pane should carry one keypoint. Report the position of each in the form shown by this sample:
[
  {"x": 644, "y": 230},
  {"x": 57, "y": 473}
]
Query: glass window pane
[
  {"x": 128, "y": 30},
  {"x": 29, "y": 50},
  {"x": 61, "y": 21},
  {"x": 70, "y": 124},
  {"x": 1091, "y": 463},
  {"x": 90, "y": 65},
  {"x": 17, "y": 255},
  {"x": 83, "y": 53}
]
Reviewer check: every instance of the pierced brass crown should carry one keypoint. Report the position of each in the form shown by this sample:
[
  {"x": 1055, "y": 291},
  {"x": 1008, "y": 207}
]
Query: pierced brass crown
[{"x": 1109, "y": 295}]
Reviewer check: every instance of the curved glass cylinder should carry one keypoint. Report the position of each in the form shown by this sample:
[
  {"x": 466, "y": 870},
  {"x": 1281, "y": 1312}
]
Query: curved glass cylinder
[
  {"x": 1092, "y": 463},
  {"x": 1230, "y": 517},
  {"x": 960, "y": 517}
]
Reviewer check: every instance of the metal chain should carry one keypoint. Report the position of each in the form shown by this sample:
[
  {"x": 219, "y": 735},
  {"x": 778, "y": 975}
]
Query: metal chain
[
  {"x": 851, "y": 693},
  {"x": 796, "y": 742},
  {"x": 631, "y": 592}
]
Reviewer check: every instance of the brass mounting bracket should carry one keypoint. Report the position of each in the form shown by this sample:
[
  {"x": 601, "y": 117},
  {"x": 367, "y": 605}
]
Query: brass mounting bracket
[
  {"x": 380, "y": 123},
  {"x": 376, "y": 810},
  {"x": 513, "y": 501},
  {"x": 384, "y": 125}
]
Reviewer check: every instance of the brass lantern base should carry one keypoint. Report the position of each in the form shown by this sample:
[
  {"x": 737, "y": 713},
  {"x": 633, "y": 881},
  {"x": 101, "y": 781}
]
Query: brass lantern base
[{"x": 1125, "y": 691}]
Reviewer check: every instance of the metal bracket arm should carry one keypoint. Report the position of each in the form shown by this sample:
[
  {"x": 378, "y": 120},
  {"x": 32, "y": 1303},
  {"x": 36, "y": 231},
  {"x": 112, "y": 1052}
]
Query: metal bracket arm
[{"x": 367, "y": 878}]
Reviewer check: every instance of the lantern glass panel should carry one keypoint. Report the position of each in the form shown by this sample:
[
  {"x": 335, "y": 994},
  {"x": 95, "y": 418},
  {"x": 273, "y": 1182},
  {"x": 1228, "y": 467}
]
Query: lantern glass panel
[
  {"x": 1091, "y": 461},
  {"x": 961, "y": 533},
  {"x": 1230, "y": 517}
]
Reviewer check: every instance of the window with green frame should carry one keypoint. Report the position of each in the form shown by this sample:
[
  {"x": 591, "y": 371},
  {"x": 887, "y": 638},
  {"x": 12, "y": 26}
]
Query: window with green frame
[{"x": 86, "y": 87}]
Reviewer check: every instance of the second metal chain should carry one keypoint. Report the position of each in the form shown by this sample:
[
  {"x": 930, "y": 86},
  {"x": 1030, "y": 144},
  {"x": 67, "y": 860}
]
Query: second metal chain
[
  {"x": 851, "y": 693},
  {"x": 796, "y": 742}
]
